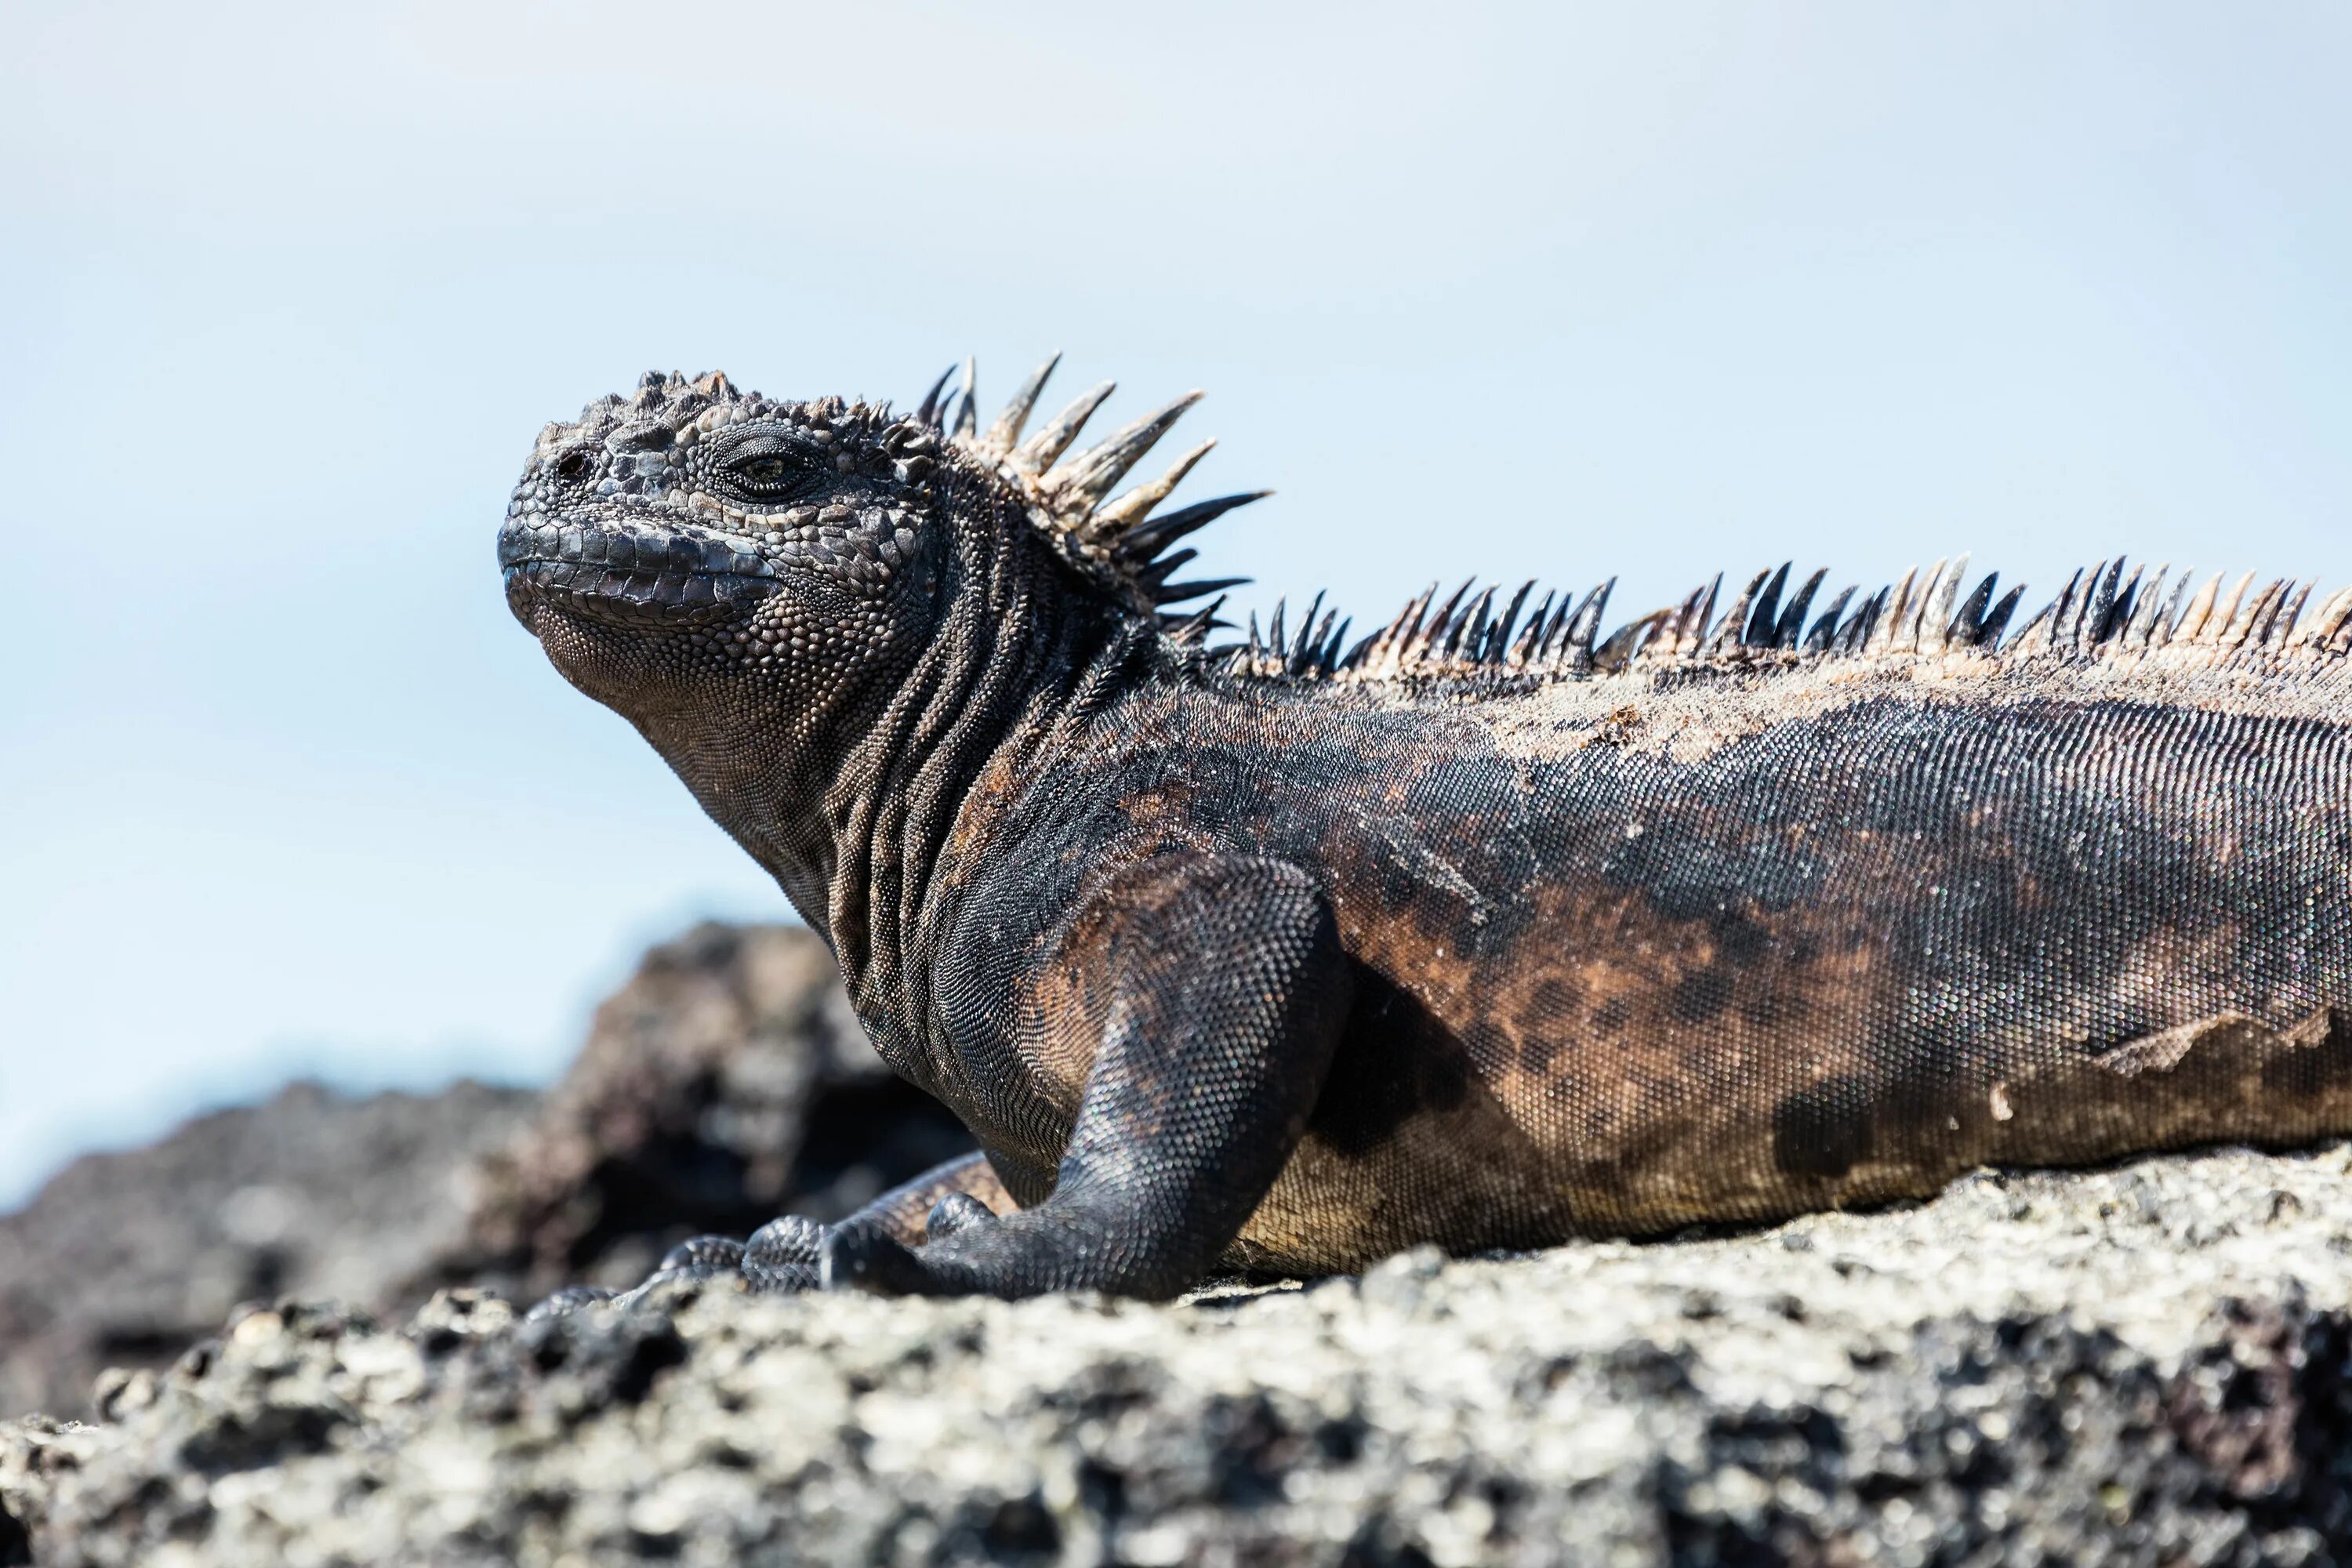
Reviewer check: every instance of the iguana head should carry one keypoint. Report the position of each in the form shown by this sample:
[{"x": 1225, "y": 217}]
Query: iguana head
[{"x": 690, "y": 534}]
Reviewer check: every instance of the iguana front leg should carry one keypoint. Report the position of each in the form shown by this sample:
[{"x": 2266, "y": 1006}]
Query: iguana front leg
[{"x": 1224, "y": 990}]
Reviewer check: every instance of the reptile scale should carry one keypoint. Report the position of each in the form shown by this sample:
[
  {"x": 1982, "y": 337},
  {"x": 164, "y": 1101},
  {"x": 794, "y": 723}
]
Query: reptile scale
[{"x": 1494, "y": 928}]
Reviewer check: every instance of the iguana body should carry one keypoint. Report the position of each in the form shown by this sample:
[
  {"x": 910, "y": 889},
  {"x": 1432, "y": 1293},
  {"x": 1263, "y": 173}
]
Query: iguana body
[{"x": 1488, "y": 931}]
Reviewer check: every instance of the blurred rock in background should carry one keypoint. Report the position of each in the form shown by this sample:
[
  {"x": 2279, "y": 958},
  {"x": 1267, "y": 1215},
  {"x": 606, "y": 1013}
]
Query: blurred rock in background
[
  {"x": 124, "y": 1260},
  {"x": 725, "y": 1083}
]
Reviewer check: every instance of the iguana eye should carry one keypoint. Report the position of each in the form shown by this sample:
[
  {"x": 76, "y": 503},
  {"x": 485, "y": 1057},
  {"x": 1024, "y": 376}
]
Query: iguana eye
[{"x": 768, "y": 474}]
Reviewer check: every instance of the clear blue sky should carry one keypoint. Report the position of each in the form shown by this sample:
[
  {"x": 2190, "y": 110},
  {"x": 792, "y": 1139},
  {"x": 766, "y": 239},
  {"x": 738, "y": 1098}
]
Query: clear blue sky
[{"x": 285, "y": 290}]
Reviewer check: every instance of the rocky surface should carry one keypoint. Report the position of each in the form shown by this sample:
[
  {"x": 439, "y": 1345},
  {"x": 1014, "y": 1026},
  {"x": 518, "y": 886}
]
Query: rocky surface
[
  {"x": 725, "y": 1083},
  {"x": 125, "y": 1259},
  {"x": 2146, "y": 1364}
]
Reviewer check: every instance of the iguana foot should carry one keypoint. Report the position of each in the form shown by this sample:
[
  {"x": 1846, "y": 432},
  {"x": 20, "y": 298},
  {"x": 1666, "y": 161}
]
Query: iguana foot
[
  {"x": 780, "y": 1258},
  {"x": 786, "y": 1256}
]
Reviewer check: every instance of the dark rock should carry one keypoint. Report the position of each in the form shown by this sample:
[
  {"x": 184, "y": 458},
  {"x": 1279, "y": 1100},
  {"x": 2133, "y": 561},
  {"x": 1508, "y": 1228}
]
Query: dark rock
[
  {"x": 124, "y": 1260},
  {"x": 728, "y": 1082},
  {"x": 725, "y": 1083},
  {"x": 16, "y": 1542}
]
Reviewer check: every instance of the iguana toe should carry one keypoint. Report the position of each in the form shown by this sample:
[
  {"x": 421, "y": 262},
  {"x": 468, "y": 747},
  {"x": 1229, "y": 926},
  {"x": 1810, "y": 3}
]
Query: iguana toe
[
  {"x": 953, "y": 1213},
  {"x": 862, "y": 1257},
  {"x": 702, "y": 1255},
  {"x": 783, "y": 1255}
]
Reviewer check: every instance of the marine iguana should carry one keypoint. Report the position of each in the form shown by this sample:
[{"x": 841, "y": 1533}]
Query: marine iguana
[{"x": 1488, "y": 930}]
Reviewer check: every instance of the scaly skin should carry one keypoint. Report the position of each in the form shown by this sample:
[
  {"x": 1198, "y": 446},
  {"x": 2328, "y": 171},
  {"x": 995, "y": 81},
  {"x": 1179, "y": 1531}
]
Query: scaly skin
[{"x": 1488, "y": 931}]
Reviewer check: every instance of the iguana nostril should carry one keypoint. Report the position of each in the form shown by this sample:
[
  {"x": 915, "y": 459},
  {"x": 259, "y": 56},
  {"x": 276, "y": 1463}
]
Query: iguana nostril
[{"x": 572, "y": 467}]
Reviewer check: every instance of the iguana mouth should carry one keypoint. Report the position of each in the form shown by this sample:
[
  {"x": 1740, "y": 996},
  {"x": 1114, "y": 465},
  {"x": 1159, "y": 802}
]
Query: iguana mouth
[{"x": 631, "y": 571}]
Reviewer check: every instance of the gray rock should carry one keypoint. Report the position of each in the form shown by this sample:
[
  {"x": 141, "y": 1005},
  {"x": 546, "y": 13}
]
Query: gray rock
[
  {"x": 2146, "y": 1364},
  {"x": 728, "y": 1082},
  {"x": 126, "y": 1258},
  {"x": 725, "y": 1083}
]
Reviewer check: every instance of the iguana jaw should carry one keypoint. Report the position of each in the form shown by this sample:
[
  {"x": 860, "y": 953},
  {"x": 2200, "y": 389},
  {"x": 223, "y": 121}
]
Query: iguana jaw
[{"x": 633, "y": 570}]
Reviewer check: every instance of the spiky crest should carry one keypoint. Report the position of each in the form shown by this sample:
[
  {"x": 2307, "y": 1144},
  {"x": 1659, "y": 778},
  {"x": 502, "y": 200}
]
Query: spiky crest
[
  {"x": 2101, "y": 614},
  {"x": 1116, "y": 540}
]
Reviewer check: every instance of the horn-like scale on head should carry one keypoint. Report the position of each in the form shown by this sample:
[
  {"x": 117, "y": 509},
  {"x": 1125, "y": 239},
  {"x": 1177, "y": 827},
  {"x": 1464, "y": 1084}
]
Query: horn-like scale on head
[{"x": 1069, "y": 492}]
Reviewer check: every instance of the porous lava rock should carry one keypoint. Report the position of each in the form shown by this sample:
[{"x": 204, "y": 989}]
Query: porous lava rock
[{"x": 2146, "y": 1364}]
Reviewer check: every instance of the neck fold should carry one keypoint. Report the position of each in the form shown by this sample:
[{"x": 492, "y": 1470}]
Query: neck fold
[{"x": 1016, "y": 657}]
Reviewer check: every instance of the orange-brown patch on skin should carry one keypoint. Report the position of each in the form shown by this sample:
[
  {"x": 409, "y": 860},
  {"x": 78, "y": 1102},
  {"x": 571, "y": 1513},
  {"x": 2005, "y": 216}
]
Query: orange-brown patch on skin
[
  {"x": 1682, "y": 1052},
  {"x": 1165, "y": 809},
  {"x": 993, "y": 791},
  {"x": 1667, "y": 1096},
  {"x": 1626, "y": 1073},
  {"x": 2225, "y": 1078},
  {"x": 1064, "y": 997},
  {"x": 1659, "y": 1127},
  {"x": 1593, "y": 1100},
  {"x": 1063, "y": 1002},
  {"x": 1641, "y": 1129}
]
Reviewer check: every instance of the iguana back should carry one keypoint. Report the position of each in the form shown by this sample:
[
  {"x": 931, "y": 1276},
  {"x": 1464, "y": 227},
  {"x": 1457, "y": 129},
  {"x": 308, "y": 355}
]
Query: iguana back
[{"x": 1753, "y": 944}]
